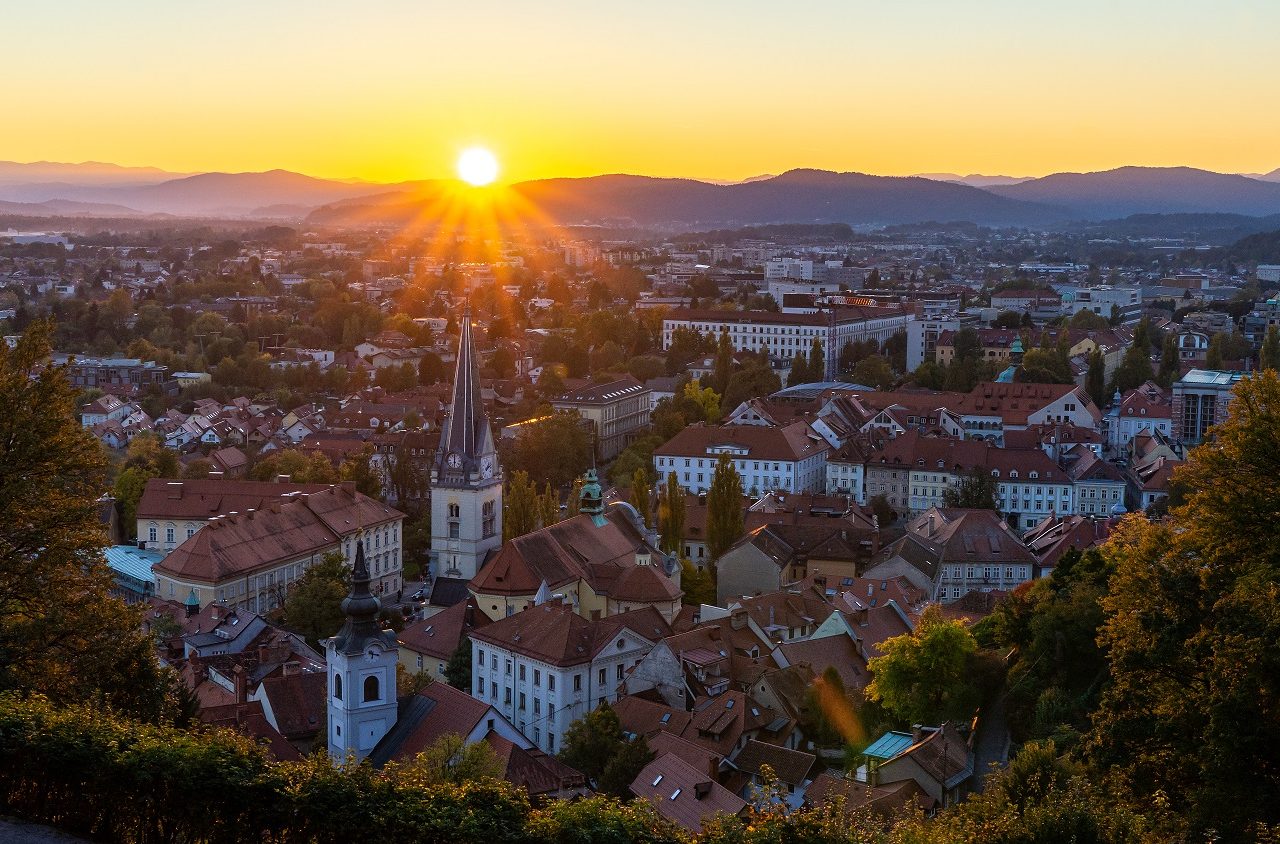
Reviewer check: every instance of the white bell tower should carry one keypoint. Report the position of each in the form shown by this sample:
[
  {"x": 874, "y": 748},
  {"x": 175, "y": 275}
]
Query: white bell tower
[
  {"x": 362, "y": 672},
  {"x": 466, "y": 478}
]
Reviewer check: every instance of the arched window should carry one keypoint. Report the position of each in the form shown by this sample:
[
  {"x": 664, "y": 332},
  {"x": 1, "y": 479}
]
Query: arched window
[
  {"x": 337, "y": 687},
  {"x": 371, "y": 691}
]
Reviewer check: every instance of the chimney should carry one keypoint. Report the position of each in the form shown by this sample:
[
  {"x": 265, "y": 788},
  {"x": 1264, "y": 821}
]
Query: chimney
[
  {"x": 917, "y": 732},
  {"x": 738, "y": 619},
  {"x": 291, "y": 668},
  {"x": 283, "y": 479},
  {"x": 702, "y": 789},
  {"x": 241, "y": 678}
]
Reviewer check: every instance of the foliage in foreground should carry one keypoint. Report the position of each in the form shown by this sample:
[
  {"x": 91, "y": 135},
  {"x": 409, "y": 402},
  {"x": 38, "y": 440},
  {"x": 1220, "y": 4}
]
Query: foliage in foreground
[{"x": 103, "y": 776}]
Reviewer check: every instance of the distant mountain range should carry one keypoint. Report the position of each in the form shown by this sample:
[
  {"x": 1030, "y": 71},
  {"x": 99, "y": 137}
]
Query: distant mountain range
[
  {"x": 976, "y": 180},
  {"x": 797, "y": 196}
]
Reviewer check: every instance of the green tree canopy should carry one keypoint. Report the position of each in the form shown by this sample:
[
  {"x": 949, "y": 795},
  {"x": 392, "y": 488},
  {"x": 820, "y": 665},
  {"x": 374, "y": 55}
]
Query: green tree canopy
[
  {"x": 724, "y": 508},
  {"x": 926, "y": 677},
  {"x": 314, "y": 606}
]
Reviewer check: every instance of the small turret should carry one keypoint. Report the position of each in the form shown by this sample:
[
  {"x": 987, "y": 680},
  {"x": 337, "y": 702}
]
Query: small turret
[{"x": 591, "y": 497}]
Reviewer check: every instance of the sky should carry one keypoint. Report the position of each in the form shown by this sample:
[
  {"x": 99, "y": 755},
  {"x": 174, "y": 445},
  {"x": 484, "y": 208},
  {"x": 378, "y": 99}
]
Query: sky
[{"x": 385, "y": 90}]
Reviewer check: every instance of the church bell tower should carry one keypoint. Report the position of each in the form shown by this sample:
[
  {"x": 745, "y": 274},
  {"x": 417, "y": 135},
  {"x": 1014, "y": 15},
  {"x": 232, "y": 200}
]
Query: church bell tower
[
  {"x": 362, "y": 671},
  {"x": 466, "y": 478}
]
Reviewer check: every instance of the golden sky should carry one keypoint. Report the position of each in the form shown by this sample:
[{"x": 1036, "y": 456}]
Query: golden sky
[{"x": 386, "y": 90}]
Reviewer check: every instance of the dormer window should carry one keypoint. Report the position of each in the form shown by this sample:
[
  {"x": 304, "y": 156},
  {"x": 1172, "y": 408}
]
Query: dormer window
[
  {"x": 1034, "y": 475},
  {"x": 1013, "y": 473}
]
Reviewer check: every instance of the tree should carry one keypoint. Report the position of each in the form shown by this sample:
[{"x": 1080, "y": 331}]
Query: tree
[
  {"x": 1135, "y": 368},
  {"x": 697, "y": 585},
  {"x": 430, "y": 369},
  {"x": 671, "y": 515},
  {"x": 1213, "y": 358},
  {"x": 1269, "y": 358},
  {"x": 751, "y": 381},
  {"x": 723, "y": 364},
  {"x": 519, "y": 506},
  {"x": 1007, "y": 319},
  {"x": 297, "y": 466},
  {"x": 817, "y": 361},
  {"x": 1170, "y": 367},
  {"x": 62, "y": 634},
  {"x": 1088, "y": 320},
  {"x": 724, "y": 508},
  {"x": 623, "y": 767},
  {"x": 883, "y": 510},
  {"x": 1095, "y": 380},
  {"x": 705, "y": 398},
  {"x": 358, "y": 468},
  {"x": 591, "y": 741},
  {"x": 555, "y": 449},
  {"x": 642, "y": 495},
  {"x": 548, "y": 507},
  {"x": 799, "y": 371},
  {"x": 314, "y": 606},
  {"x": 198, "y": 468},
  {"x": 976, "y": 490},
  {"x": 452, "y": 759},
  {"x": 924, "y": 677},
  {"x": 1190, "y": 632},
  {"x": 875, "y": 372},
  {"x": 457, "y": 671}
]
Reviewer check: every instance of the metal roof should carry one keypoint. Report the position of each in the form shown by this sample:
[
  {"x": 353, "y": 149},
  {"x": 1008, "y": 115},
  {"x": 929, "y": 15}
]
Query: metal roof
[
  {"x": 889, "y": 745},
  {"x": 133, "y": 562}
]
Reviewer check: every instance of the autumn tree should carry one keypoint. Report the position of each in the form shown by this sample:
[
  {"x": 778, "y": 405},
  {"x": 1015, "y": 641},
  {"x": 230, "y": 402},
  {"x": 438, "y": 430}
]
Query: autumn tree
[
  {"x": 62, "y": 634},
  {"x": 1191, "y": 628},
  {"x": 925, "y": 676},
  {"x": 723, "y": 369},
  {"x": 1095, "y": 380},
  {"x": 519, "y": 506},
  {"x": 724, "y": 508}
]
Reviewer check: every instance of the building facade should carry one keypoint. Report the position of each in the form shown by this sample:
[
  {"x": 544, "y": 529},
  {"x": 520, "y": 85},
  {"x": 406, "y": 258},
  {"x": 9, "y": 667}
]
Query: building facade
[{"x": 617, "y": 411}]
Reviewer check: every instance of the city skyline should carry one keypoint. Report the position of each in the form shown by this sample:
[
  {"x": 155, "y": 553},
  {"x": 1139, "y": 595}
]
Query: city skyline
[{"x": 717, "y": 92}]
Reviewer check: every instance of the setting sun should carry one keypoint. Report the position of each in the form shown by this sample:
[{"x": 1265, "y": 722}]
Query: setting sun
[{"x": 477, "y": 166}]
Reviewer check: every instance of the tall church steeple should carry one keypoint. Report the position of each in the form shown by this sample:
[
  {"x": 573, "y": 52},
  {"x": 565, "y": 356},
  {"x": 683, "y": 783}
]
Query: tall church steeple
[
  {"x": 362, "y": 671},
  {"x": 466, "y": 478}
]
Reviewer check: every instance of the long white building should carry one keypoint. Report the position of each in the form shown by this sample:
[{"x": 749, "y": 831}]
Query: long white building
[{"x": 789, "y": 334}]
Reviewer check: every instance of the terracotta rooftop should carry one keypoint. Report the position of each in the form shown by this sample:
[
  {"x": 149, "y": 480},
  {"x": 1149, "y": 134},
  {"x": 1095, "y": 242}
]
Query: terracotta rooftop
[{"x": 683, "y": 794}]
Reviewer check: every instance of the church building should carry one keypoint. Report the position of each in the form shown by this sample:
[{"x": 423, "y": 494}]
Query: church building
[{"x": 466, "y": 478}]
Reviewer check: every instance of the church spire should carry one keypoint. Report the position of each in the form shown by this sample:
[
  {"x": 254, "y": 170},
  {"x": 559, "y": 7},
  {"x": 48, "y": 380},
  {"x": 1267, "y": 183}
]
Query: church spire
[
  {"x": 360, "y": 607},
  {"x": 466, "y": 436}
]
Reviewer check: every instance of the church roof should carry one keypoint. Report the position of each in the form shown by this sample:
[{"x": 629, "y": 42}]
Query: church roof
[{"x": 575, "y": 549}]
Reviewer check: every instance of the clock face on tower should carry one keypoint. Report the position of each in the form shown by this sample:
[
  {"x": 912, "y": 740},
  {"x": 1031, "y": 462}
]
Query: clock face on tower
[
  {"x": 372, "y": 654},
  {"x": 486, "y": 467},
  {"x": 454, "y": 461}
]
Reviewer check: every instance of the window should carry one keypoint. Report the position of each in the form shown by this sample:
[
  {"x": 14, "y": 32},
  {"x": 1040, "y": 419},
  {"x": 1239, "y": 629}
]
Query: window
[
  {"x": 522, "y": 705},
  {"x": 577, "y": 682},
  {"x": 601, "y": 676},
  {"x": 168, "y": 534},
  {"x": 480, "y": 657},
  {"x": 454, "y": 511},
  {"x": 151, "y": 534},
  {"x": 522, "y": 674},
  {"x": 337, "y": 687},
  {"x": 372, "y": 691},
  {"x": 551, "y": 682},
  {"x": 620, "y": 673},
  {"x": 537, "y": 677}
]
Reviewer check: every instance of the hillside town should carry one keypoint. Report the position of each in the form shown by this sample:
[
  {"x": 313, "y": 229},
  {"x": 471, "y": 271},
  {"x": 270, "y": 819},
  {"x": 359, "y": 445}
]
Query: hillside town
[{"x": 680, "y": 492}]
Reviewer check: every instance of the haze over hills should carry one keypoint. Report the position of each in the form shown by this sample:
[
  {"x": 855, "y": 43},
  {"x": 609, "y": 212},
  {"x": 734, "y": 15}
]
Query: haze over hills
[
  {"x": 794, "y": 196},
  {"x": 1139, "y": 190},
  {"x": 976, "y": 180}
]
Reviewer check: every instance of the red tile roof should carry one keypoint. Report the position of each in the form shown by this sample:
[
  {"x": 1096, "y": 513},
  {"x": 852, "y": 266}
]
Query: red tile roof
[{"x": 683, "y": 794}]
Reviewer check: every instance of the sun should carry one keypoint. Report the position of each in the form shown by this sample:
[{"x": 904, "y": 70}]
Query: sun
[{"x": 477, "y": 166}]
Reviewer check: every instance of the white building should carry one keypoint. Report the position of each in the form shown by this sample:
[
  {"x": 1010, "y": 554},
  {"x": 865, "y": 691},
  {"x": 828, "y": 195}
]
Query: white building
[
  {"x": 787, "y": 335},
  {"x": 547, "y": 666},
  {"x": 792, "y": 458}
]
